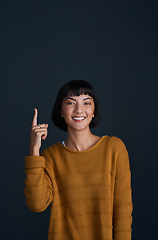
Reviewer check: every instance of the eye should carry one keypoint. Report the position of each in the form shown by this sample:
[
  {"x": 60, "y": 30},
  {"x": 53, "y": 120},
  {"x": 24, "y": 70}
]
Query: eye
[
  {"x": 88, "y": 103},
  {"x": 69, "y": 103}
]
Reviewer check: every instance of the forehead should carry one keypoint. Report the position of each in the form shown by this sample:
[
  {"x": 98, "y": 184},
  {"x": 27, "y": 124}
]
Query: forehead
[{"x": 81, "y": 97}]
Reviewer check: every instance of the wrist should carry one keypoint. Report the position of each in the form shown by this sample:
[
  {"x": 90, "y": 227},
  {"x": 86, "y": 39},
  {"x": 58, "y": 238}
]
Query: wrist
[{"x": 34, "y": 152}]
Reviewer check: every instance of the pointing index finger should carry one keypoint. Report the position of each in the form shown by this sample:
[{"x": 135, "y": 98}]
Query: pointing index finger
[{"x": 34, "y": 122}]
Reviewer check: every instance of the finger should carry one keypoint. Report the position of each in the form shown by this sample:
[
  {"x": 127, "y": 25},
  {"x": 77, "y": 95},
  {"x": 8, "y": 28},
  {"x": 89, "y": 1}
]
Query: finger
[
  {"x": 44, "y": 136},
  {"x": 43, "y": 125},
  {"x": 40, "y": 130},
  {"x": 40, "y": 126},
  {"x": 34, "y": 122},
  {"x": 41, "y": 133}
]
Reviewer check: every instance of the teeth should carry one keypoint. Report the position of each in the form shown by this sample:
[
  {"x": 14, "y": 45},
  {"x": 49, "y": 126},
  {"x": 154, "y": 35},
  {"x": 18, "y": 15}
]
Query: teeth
[{"x": 78, "y": 118}]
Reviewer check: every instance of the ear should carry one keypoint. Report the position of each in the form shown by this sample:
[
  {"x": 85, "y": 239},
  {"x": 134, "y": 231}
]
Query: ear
[
  {"x": 94, "y": 113},
  {"x": 61, "y": 113}
]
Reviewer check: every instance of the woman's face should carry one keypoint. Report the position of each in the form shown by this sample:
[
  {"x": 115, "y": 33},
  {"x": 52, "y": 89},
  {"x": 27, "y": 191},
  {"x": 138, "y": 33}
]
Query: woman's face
[{"x": 78, "y": 111}]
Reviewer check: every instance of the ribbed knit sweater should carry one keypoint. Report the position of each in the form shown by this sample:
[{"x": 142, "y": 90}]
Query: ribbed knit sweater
[{"x": 89, "y": 191}]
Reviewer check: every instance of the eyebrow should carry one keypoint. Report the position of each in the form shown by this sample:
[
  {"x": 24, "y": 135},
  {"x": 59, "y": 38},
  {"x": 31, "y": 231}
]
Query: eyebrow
[{"x": 75, "y": 99}]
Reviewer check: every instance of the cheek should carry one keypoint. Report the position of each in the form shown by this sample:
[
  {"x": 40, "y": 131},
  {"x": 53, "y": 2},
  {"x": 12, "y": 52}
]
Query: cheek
[
  {"x": 66, "y": 110},
  {"x": 91, "y": 110}
]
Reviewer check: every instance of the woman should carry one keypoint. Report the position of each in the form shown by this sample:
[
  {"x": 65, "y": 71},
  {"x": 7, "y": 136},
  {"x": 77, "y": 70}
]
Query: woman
[{"x": 86, "y": 178}]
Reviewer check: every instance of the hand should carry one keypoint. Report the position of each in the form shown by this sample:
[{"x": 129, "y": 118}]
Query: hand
[{"x": 38, "y": 132}]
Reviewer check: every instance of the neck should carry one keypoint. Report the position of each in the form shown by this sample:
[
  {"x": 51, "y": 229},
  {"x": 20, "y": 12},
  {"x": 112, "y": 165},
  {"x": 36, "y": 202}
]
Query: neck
[{"x": 79, "y": 140}]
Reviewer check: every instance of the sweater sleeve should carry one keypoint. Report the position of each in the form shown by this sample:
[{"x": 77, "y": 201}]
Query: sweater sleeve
[
  {"x": 123, "y": 207},
  {"x": 38, "y": 182}
]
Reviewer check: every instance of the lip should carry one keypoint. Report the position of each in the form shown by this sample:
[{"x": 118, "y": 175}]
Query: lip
[
  {"x": 80, "y": 120},
  {"x": 78, "y": 116}
]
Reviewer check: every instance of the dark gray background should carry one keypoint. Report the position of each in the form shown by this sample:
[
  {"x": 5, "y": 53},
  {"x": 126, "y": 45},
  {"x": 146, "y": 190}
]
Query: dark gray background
[{"x": 112, "y": 45}]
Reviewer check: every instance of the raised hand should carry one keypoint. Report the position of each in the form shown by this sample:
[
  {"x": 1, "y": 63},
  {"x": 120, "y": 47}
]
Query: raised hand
[{"x": 38, "y": 132}]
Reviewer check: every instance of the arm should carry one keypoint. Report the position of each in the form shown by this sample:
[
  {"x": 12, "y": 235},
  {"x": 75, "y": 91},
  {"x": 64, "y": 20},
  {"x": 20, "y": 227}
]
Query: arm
[
  {"x": 123, "y": 207},
  {"x": 38, "y": 184}
]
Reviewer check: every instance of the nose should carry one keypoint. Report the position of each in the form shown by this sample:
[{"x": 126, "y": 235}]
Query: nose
[{"x": 78, "y": 108}]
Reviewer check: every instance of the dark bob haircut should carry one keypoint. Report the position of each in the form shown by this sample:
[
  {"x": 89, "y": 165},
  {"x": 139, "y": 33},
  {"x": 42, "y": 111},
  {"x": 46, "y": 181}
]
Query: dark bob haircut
[{"x": 74, "y": 88}]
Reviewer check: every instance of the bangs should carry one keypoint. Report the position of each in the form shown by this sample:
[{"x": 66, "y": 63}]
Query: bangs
[
  {"x": 77, "y": 89},
  {"x": 78, "y": 92}
]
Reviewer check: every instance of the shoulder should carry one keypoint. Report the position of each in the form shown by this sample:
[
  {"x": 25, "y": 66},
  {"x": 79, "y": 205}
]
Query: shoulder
[
  {"x": 49, "y": 154},
  {"x": 49, "y": 150},
  {"x": 117, "y": 144}
]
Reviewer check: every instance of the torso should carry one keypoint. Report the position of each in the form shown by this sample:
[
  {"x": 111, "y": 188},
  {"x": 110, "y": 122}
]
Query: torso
[{"x": 95, "y": 140}]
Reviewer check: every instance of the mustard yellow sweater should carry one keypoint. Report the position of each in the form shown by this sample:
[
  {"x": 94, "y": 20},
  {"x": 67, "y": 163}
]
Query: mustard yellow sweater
[{"x": 89, "y": 191}]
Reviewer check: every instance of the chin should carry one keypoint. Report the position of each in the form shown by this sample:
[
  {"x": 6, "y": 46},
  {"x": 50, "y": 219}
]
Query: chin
[{"x": 79, "y": 128}]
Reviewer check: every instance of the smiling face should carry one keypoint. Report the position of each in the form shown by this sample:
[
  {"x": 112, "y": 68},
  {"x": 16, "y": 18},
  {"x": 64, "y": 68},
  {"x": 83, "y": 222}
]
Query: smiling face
[{"x": 78, "y": 111}]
